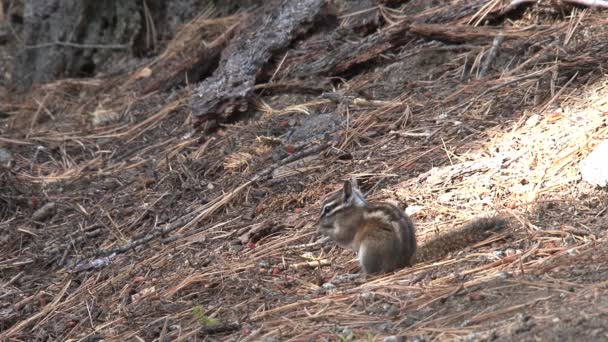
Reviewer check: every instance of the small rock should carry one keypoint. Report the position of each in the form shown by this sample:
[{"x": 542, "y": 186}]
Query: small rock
[
  {"x": 329, "y": 286},
  {"x": 385, "y": 326},
  {"x": 346, "y": 278},
  {"x": 110, "y": 184},
  {"x": 594, "y": 168},
  {"x": 236, "y": 248},
  {"x": 394, "y": 339},
  {"x": 264, "y": 264},
  {"x": 249, "y": 214},
  {"x": 476, "y": 296},
  {"x": 446, "y": 198},
  {"x": 505, "y": 275},
  {"x": 413, "y": 209},
  {"x": 533, "y": 120},
  {"x": 259, "y": 193},
  {"x": 290, "y": 149},
  {"x": 347, "y": 333},
  {"x": 5, "y": 155},
  {"x": 45, "y": 212},
  {"x": 367, "y": 295},
  {"x": 389, "y": 309},
  {"x": 499, "y": 254}
]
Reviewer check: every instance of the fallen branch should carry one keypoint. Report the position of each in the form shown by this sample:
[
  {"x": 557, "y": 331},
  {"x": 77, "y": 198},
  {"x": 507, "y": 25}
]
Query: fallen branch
[
  {"x": 196, "y": 67},
  {"x": 230, "y": 87},
  {"x": 338, "y": 60}
]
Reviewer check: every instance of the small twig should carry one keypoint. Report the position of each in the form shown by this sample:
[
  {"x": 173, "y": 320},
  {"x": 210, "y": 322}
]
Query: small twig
[
  {"x": 491, "y": 54},
  {"x": 196, "y": 231},
  {"x": 419, "y": 277},
  {"x": 13, "y": 279},
  {"x": 312, "y": 244},
  {"x": 147, "y": 238},
  {"x": 36, "y": 114},
  {"x": 410, "y": 134},
  {"x": 265, "y": 174},
  {"x": 559, "y": 92},
  {"x": 78, "y": 46},
  {"x": 315, "y": 263}
]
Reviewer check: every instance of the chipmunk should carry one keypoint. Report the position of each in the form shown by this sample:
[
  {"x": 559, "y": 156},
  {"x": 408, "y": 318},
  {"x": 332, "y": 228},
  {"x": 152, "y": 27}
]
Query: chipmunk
[{"x": 384, "y": 236}]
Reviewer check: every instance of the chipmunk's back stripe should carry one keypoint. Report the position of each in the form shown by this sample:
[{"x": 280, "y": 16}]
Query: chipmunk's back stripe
[{"x": 336, "y": 209}]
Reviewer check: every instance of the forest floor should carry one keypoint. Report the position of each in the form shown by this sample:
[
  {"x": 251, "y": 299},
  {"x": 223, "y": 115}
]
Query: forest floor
[{"x": 120, "y": 222}]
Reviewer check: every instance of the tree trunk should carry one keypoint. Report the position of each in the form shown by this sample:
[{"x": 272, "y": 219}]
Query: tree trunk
[
  {"x": 71, "y": 37},
  {"x": 76, "y": 38}
]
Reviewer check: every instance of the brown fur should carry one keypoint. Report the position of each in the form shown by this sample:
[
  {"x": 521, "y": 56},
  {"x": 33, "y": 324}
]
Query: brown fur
[
  {"x": 384, "y": 236},
  {"x": 459, "y": 238},
  {"x": 385, "y": 249}
]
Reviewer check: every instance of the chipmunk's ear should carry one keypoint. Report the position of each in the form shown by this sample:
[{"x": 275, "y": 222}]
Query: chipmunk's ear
[
  {"x": 347, "y": 191},
  {"x": 352, "y": 194},
  {"x": 353, "y": 183}
]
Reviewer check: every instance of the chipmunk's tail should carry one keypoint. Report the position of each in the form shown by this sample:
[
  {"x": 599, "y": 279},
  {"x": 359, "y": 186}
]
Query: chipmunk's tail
[{"x": 457, "y": 239}]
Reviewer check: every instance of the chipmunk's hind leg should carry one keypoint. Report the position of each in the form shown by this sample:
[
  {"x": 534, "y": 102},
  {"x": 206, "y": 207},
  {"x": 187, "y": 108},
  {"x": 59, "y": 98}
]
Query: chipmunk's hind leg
[
  {"x": 369, "y": 261},
  {"x": 372, "y": 258}
]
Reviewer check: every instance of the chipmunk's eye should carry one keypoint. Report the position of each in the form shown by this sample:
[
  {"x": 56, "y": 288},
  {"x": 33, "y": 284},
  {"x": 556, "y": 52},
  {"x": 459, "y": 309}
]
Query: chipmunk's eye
[{"x": 327, "y": 209}]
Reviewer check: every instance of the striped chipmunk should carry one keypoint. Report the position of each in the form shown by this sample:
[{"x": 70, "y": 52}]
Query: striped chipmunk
[{"x": 384, "y": 236}]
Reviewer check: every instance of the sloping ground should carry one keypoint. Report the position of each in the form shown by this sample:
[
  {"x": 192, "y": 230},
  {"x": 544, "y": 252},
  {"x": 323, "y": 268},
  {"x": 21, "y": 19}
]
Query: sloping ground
[{"x": 153, "y": 231}]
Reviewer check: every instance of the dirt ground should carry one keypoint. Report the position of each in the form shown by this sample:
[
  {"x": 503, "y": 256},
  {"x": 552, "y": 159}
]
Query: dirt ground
[{"x": 120, "y": 222}]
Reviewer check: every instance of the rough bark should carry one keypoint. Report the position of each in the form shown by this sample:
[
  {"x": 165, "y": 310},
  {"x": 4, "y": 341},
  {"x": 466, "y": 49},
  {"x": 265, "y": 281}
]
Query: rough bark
[
  {"x": 76, "y": 38},
  {"x": 228, "y": 89},
  {"x": 70, "y": 37}
]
